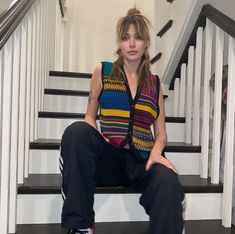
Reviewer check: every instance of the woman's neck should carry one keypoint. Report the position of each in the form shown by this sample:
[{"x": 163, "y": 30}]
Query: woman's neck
[{"x": 131, "y": 67}]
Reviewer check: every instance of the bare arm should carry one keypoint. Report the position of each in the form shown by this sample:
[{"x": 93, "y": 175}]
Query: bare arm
[
  {"x": 160, "y": 127},
  {"x": 160, "y": 139},
  {"x": 93, "y": 104}
]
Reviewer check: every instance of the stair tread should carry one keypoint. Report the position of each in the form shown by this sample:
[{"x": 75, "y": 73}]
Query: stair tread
[
  {"x": 71, "y": 92},
  {"x": 50, "y": 184},
  {"x": 170, "y": 147},
  {"x": 66, "y": 92},
  {"x": 70, "y": 74},
  {"x": 70, "y": 115},
  {"x": 191, "y": 227}
]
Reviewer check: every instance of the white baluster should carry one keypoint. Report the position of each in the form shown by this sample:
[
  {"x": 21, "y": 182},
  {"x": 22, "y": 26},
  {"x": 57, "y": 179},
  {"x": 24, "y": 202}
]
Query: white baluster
[
  {"x": 1, "y": 84},
  {"x": 40, "y": 55},
  {"x": 53, "y": 35},
  {"x": 28, "y": 93},
  {"x": 1, "y": 90},
  {"x": 63, "y": 22},
  {"x": 176, "y": 97},
  {"x": 57, "y": 37},
  {"x": 47, "y": 45},
  {"x": 14, "y": 132},
  {"x": 43, "y": 56},
  {"x": 189, "y": 98},
  {"x": 206, "y": 99},
  {"x": 33, "y": 78},
  {"x": 197, "y": 87},
  {"x": 182, "y": 91},
  {"x": 229, "y": 143},
  {"x": 217, "y": 106},
  {"x": 37, "y": 73},
  {"x": 5, "y": 136},
  {"x": 21, "y": 135}
]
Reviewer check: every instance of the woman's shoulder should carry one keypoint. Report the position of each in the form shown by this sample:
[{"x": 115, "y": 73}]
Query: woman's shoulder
[
  {"x": 107, "y": 67},
  {"x": 155, "y": 78}
]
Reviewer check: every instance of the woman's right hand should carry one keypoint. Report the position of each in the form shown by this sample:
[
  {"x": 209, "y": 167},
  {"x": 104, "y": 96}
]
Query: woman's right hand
[{"x": 106, "y": 139}]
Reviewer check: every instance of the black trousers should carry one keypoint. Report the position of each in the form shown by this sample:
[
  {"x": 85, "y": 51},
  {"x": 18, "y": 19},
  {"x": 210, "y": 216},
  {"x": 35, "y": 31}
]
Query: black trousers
[{"x": 88, "y": 159}]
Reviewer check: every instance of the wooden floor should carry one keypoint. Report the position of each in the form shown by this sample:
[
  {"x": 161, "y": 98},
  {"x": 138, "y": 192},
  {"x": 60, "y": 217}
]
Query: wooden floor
[{"x": 191, "y": 227}]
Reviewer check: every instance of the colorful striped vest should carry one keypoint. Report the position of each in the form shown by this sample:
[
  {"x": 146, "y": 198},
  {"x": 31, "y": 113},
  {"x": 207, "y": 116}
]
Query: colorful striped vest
[{"x": 125, "y": 121}]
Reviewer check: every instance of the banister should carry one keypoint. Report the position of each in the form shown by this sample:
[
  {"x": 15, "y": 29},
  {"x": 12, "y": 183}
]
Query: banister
[
  {"x": 218, "y": 18},
  {"x": 10, "y": 19},
  {"x": 61, "y": 8}
]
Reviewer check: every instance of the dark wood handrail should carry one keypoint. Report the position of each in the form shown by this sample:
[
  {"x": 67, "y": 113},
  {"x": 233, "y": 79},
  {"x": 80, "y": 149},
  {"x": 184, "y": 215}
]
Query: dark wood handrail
[
  {"x": 11, "y": 18},
  {"x": 61, "y": 8},
  {"x": 218, "y": 18}
]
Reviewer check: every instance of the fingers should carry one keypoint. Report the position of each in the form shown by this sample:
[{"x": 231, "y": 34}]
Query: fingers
[
  {"x": 164, "y": 161},
  {"x": 149, "y": 164},
  {"x": 107, "y": 140}
]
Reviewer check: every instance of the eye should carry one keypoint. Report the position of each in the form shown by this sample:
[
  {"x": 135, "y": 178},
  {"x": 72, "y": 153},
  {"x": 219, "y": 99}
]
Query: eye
[
  {"x": 138, "y": 37},
  {"x": 125, "y": 37}
]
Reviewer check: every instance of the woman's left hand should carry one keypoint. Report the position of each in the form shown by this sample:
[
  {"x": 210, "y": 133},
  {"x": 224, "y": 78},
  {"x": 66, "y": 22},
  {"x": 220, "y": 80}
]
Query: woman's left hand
[{"x": 158, "y": 158}]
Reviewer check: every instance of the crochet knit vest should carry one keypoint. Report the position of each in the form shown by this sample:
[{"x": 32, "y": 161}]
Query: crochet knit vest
[{"x": 124, "y": 120}]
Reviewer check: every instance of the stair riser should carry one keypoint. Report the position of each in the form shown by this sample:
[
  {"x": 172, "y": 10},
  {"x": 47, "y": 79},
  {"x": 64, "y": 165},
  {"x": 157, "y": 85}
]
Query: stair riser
[
  {"x": 36, "y": 209},
  {"x": 78, "y": 104},
  {"x": 47, "y": 162},
  {"x": 69, "y": 83},
  {"x": 53, "y": 129},
  {"x": 59, "y": 103}
]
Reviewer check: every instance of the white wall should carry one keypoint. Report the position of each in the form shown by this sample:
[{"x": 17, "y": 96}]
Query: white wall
[
  {"x": 184, "y": 13},
  {"x": 225, "y": 6},
  {"x": 4, "y": 4},
  {"x": 177, "y": 11},
  {"x": 90, "y": 30}
]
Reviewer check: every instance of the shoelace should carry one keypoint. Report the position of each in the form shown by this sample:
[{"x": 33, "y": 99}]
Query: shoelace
[
  {"x": 82, "y": 232},
  {"x": 79, "y": 231}
]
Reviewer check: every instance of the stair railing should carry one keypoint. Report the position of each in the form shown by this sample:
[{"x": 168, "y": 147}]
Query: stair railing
[
  {"x": 206, "y": 53},
  {"x": 27, "y": 52}
]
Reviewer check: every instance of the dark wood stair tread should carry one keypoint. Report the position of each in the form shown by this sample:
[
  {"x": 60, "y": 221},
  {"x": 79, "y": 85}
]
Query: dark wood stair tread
[
  {"x": 155, "y": 58},
  {"x": 70, "y": 92},
  {"x": 69, "y": 115},
  {"x": 191, "y": 227},
  {"x": 54, "y": 144},
  {"x": 70, "y": 74},
  {"x": 165, "y": 28},
  {"x": 67, "y": 92},
  {"x": 50, "y": 184}
]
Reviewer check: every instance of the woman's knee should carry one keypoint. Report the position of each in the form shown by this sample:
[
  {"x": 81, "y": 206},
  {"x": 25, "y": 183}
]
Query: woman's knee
[
  {"x": 168, "y": 180},
  {"x": 76, "y": 129}
]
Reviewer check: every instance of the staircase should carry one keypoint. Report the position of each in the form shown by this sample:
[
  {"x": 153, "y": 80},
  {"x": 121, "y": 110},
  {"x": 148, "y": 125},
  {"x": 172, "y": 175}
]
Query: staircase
[
  {"x": 39, "y": 198},
  {"x": 36, "y": 108}
]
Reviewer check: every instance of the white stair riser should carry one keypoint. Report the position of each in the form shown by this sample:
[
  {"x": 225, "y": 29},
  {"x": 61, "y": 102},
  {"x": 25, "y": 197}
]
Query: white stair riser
[
  {"x": 58, "y": 103},
  {"x": 36, "y": 209},
  {"x": 78, "y": 104},
  {"x": 44, "y": 162},
  {"x": 169, "y": 107},
  {"x": 53, "y": 129},
  {"x": 47, "y": 162},
  {"x": 69, "y": 83}
]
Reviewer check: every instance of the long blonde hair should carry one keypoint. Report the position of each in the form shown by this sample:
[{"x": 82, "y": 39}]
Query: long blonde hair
[{"x": 140, "y": 23}]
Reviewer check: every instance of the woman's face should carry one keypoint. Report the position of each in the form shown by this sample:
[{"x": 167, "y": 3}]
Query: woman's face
[{"x": 132, "y": 45}]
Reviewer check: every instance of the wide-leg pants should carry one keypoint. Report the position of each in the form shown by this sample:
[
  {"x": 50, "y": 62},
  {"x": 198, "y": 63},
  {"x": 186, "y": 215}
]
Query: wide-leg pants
[{"x": 88, "y": 159}]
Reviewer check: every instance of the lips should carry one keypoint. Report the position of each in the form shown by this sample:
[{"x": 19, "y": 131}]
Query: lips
[{"x": 132, "y": 52}]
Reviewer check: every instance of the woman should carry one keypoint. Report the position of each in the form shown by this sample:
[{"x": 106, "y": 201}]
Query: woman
[{"x": 130, "y": 101}]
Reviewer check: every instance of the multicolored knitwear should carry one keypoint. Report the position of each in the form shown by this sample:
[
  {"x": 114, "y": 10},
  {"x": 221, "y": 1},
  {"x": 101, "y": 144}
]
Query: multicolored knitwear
[{"x": 124, "y": 120}]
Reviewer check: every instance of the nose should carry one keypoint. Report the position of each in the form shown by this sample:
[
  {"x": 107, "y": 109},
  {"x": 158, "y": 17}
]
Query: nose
[{"x": 132, "y": 42}]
